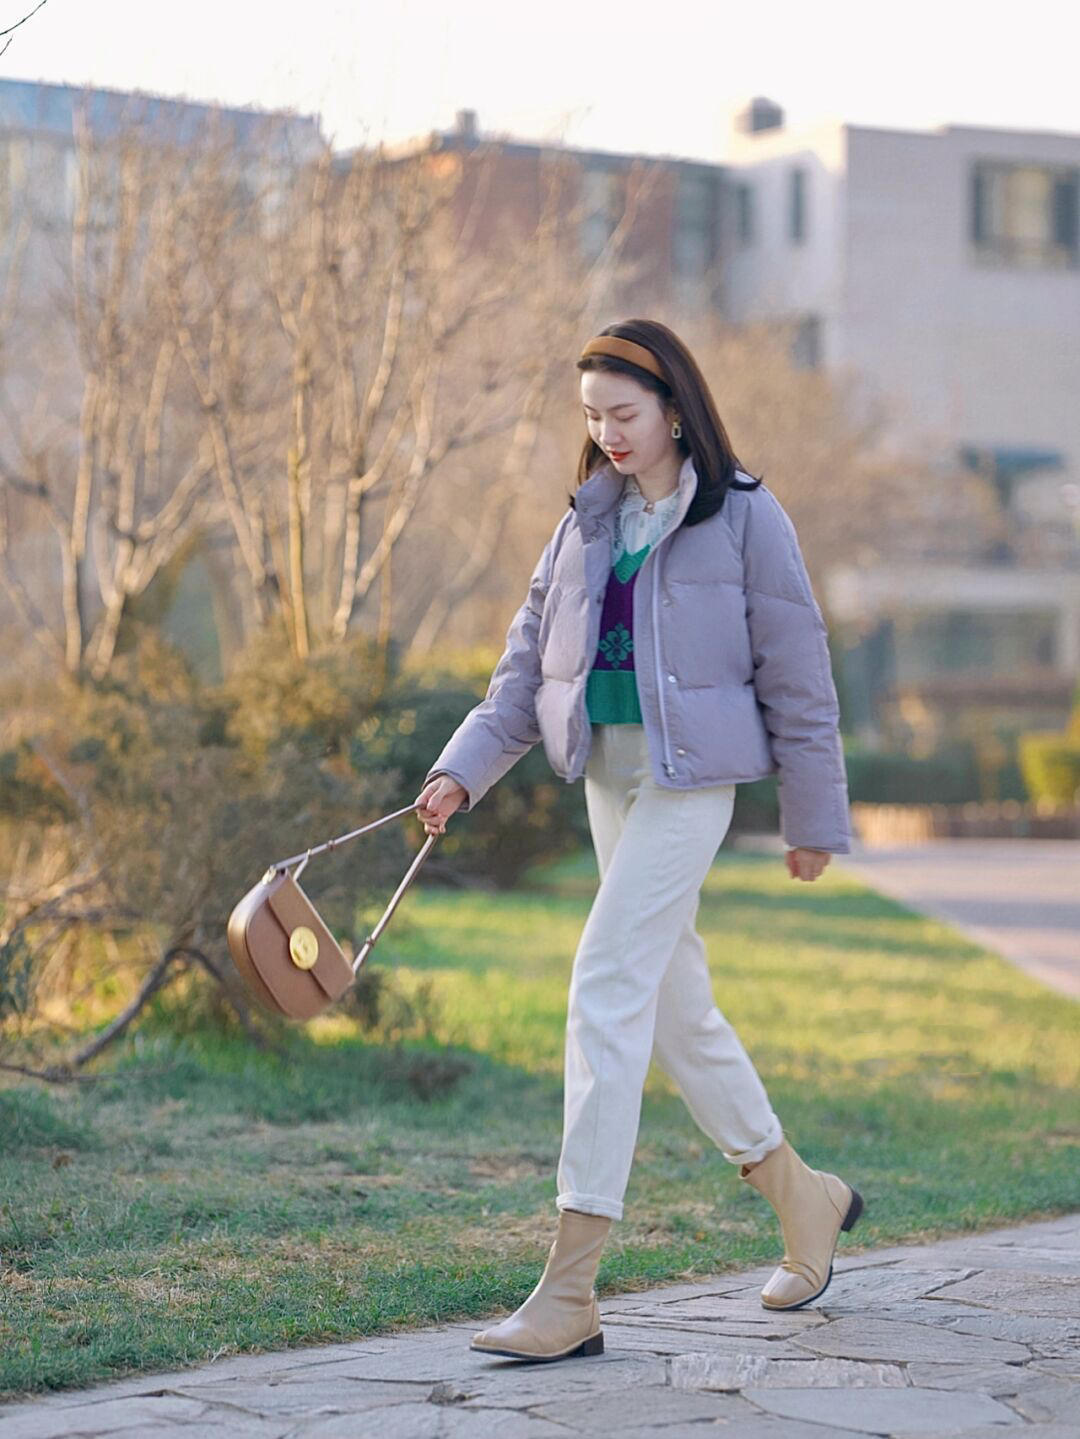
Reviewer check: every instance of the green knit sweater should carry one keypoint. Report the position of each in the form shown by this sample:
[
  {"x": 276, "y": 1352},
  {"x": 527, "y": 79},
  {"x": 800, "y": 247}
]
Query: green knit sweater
[{"x": 611, "y": 694}]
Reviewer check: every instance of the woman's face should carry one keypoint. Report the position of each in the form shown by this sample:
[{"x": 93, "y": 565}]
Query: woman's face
[{"x": 626, "y": 420}]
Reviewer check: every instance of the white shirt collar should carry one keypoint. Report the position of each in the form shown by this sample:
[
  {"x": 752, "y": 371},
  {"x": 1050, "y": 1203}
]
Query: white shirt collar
[{"x": 632, "y": 488}]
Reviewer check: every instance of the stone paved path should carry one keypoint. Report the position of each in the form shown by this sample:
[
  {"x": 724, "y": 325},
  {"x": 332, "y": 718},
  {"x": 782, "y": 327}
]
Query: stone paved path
[
  {"x": 975, "y": 1337},
  {"x": 1018, "y": 897}
]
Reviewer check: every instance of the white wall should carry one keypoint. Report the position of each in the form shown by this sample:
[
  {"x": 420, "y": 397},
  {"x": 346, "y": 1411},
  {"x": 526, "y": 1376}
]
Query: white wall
[
  {"x": 969, "y": 353},
  {"x": 775, "y": 275}
]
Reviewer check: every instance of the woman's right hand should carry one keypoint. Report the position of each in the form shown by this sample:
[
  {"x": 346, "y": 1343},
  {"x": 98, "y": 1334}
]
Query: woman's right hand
[{"x": 439, "y": 798}]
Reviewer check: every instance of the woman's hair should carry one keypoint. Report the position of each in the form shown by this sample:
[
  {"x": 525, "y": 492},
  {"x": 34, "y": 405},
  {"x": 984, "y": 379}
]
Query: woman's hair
[{"x": 703, "y": 435}]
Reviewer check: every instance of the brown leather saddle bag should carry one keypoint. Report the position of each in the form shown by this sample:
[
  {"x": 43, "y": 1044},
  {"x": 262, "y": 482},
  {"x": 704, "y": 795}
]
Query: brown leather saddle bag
[{"x": 280, "y": 945}]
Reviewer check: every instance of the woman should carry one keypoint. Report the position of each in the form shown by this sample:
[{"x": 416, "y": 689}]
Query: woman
[{"x": 669, "y": 647}]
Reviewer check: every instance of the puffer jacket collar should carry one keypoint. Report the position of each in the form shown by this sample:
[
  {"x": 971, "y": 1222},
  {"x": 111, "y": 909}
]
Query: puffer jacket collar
[{"x": 595, "y": 500}]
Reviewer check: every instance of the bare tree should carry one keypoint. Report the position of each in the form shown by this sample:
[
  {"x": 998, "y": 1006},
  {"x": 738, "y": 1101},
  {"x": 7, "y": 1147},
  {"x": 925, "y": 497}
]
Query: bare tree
[
  {"x": 399, "y": 342},
  {"x": 9, "y": 32},
  {"x": 90, "y": 455},
  {"x": 559, "y": 304}
]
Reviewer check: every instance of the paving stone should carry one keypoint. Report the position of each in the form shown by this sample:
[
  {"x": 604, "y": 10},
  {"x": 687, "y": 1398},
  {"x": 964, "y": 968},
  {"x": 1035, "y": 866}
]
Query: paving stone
[
  {"x": 761, "y": 1426},
  {"x": 431, "y": 1421},
  {"x": 883, "y": 1411},
  {"x": 660, "y": 1406},
  {"x": 1019, "y": 1292},
  {"x": 995, "y": 1431},
  {"x": 248, "y": 1366},
  {"x": 1048, "y": 1399},
  {"x": 451, "y": 1358},
  {"x": 1063, "y": 1232},
  {"x": 1050, "y": 1338},
  {"x": 912, "y": 1311},
  {"x": 135, "y": 1415},
  {"x": 751, "y": 1426},
  {"x": 1037, "y": 1258},
  {"x": 303, "y": 1396},
  {"x": 674, "y": 1293},
  {"x": 232, "y": 1427},
  {"x": 865, "y": 1289},
  {"x": 994, "y": 1379},
  {"x": 641, "y": 1336},
  {"x": 901, "y": 1342},
  {"x": 1041, "y": 1231},
  {"x": 740, "y": 1371},
  {"x": 751, "y": 1319},
  {"x": 1069, "y": 1367},
  {"x": 359, "y": 1366},
  {"x": 510, "y": 1385},
  {"x": 748, "y": 1300}
]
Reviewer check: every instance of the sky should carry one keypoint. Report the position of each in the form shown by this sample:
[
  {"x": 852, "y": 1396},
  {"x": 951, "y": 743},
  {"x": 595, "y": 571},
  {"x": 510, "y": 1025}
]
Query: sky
[{"x": 630, "y": 77}]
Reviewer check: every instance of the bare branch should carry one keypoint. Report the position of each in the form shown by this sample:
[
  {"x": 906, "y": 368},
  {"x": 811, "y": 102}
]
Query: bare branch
[{"x": 23, "y": 21}]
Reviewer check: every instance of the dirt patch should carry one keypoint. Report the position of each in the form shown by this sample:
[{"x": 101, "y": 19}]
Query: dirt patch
[
  {"x": 508, "y": 1169},
  {"x": 505, "y": 1235}
]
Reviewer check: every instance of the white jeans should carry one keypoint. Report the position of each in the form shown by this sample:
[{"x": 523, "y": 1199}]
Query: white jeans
[{"x": 640, "y": 988}]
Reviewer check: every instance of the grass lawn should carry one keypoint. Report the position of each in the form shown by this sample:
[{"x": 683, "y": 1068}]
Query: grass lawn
[{"x": 207, "y": 1199}]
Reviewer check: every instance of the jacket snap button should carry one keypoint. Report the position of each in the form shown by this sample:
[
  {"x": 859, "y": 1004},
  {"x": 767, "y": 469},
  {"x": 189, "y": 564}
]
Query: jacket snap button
[
  {"x": 666, "y": 600},
  {"x": 680, "y": 751},
  {"x": 671, "y": 678}
]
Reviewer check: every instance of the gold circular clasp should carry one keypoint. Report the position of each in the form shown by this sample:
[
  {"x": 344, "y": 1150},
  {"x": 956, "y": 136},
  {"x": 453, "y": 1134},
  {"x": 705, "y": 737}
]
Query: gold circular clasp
[{"x": 303, "y": 947}]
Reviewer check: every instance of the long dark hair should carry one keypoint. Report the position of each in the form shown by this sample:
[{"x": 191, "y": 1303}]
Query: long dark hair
[{"x": 703, "y": 435}]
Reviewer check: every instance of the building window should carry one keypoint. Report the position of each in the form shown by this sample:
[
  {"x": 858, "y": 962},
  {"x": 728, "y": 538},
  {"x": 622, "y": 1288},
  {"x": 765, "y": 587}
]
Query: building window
[
  {"x": 14, "y": 172},
  {"x": 693, "y": 241},
  {"x": 50, "y": 183},
  {"x": 745, "y": 227},
  {"x": 602, "y": 199},
  {"x": 797, "y": 203},
  {"x": 806, "y": 343},
  {"x": 1025, "y": 215},
  {"x": 949, "y": 642}
]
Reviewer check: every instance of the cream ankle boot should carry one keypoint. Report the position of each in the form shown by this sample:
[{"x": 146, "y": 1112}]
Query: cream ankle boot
[
  {"x": 813, "y": 1206},
  {"x": 560, "y": 1319}
]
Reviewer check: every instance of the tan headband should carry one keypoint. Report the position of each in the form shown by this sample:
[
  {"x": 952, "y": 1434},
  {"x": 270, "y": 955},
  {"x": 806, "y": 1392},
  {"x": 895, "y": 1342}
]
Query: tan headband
[{"x": 625, "y": 350}]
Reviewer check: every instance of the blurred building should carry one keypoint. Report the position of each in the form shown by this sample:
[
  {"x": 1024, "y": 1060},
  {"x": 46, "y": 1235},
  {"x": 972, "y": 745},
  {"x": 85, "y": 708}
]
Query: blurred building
[
  {"x": 658, "y": 217},
  {"x": 39, "y": 125},
  {"x": 936, "y": 275}
]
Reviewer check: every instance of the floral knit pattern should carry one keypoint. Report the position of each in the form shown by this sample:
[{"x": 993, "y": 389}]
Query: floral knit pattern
[{"x": 616, "y": 645}]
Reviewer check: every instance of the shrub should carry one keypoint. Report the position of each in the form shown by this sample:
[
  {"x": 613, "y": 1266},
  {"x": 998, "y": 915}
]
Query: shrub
[
  {"x": 529, "y": 816},
  {"x": 949, "y": 776},
  {"x": 163, "y": 820},
  {"x": 1050, "y": 764}
]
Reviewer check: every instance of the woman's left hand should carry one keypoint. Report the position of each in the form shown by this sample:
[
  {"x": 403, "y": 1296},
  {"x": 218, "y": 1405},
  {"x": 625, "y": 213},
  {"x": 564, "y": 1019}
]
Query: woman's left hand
[{"x": 806, "y": 863}]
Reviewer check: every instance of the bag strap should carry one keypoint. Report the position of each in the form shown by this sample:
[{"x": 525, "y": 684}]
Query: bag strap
[
  {"x": 410, "y": 874},
  {"x": 306, "y": 854}
]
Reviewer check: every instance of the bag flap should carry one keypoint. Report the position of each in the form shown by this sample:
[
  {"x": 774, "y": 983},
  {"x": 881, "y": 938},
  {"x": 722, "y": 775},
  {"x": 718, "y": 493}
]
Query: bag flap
[{"x": 291, "y": 907}]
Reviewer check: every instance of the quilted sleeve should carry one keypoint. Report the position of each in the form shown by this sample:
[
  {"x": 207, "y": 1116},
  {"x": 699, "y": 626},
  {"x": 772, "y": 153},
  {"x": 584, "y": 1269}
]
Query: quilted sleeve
[
  {"x": 502, "y": 727},
  {"x": 793, "y": 681}
]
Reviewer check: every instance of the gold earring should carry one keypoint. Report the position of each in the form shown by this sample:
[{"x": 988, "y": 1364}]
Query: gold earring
[{"x": 676, "y": 429}]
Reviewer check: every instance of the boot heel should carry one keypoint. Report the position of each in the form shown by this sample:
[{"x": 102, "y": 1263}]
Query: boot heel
[
  {"x": 595, "y": 1345},
  {"x": 855, "y": 1208}
]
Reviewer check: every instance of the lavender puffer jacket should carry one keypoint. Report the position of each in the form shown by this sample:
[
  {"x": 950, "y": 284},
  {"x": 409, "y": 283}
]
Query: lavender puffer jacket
[{"x": 731, "y": 655}]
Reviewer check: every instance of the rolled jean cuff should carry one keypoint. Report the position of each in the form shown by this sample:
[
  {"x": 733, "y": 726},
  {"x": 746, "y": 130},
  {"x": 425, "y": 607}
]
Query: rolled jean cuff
[
  {"x": 590, "y": 1204},
  {"x": 758, "y": 1151}
]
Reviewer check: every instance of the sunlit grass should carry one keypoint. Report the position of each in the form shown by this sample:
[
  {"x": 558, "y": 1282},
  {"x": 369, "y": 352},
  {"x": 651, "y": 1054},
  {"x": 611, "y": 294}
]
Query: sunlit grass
[{"x": 237, "y": 1201}]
